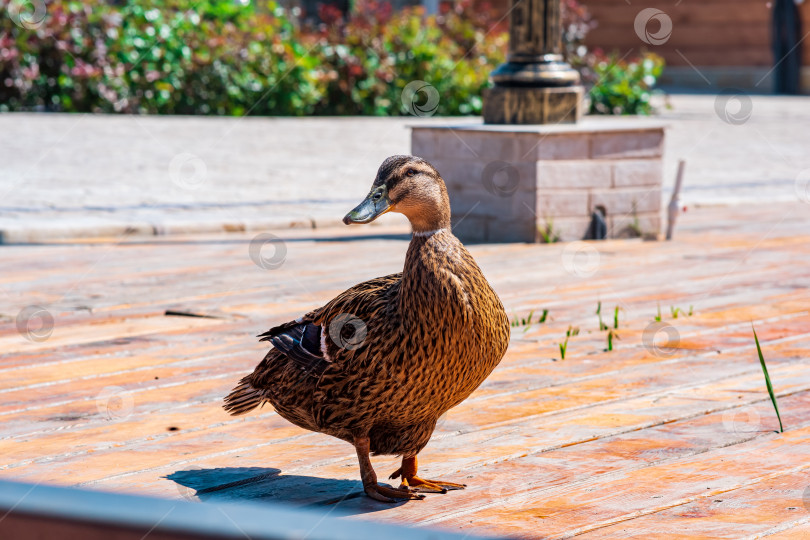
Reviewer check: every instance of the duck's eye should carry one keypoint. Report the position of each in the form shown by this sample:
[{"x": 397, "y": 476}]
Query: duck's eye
[{"x": 410, "y": 172}]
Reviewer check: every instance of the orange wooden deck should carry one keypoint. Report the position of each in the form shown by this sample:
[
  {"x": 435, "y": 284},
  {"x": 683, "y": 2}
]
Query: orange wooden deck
[{"x": 675, "y": 441}]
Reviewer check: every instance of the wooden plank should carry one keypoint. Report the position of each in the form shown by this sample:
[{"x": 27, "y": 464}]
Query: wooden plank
[{"x": 538, "y": 431}]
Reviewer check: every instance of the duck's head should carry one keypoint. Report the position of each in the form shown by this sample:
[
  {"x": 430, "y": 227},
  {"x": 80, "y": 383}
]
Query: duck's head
[{"x": 408, "y": 185}]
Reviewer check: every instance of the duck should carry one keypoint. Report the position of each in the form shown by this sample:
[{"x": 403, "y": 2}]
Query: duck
[{"x": 380, "y": 363}]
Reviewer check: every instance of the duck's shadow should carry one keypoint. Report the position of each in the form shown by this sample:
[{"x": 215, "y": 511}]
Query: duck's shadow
[{"x": 260, "y": 484}]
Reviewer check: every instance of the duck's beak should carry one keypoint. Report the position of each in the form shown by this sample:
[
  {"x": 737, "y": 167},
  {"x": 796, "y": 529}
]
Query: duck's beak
[{"x": 369, "y": 210}]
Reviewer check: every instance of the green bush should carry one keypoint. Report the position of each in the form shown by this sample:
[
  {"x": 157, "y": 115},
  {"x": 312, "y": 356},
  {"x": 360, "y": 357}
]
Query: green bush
[
  {"x": 624, "y": 87},
  {"x": 157, "y": 56},
  {"x": 372, "y": 56},
  {"x": 221, "y": 57}
]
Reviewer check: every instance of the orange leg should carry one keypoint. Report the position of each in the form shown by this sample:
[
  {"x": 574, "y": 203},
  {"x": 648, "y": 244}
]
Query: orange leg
[
  {"x": 370, "y": 485},
  {"x": 409, "y": 479}
]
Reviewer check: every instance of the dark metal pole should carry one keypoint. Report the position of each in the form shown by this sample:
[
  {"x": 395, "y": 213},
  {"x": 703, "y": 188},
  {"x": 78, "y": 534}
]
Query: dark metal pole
[{"x": 536, "y": 85}]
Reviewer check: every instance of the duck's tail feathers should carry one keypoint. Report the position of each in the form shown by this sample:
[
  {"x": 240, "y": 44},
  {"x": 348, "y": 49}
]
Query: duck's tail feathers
[{"x": 243, "y": 399}]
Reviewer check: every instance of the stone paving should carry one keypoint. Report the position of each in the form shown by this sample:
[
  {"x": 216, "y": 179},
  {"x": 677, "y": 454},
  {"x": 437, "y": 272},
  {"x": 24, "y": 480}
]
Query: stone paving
[{"x": 86, "y": 175}]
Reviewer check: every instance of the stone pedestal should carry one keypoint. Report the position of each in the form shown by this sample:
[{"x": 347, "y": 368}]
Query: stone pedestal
[{"x": 530, "y": 183}]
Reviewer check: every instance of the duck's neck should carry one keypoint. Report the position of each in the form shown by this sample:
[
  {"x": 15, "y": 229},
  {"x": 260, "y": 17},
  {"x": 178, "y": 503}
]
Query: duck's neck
[
  {"x": 430, "y": 212},
  {"x": 428, "y": 234},
  {"x": 429, "y": 253}
]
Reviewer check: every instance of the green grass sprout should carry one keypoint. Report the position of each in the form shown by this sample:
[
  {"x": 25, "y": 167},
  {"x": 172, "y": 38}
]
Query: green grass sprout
[
  {"x": 602, "y": 325},
  {"x": 767, "y": 379},
  {"x": 610, "y": 335},
  {"x": 517, "y": 322},
  {"x": 572, "y": 331}
]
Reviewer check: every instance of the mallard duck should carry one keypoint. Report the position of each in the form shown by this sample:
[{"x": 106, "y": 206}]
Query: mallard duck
[{"x": 381, "y": 362}]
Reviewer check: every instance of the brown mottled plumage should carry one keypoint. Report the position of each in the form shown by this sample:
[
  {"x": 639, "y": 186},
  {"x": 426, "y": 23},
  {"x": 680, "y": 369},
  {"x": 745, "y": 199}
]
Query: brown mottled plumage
[{"x": 380, "y": 363}]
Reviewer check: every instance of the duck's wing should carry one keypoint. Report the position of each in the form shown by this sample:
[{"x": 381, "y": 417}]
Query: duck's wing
[{"x": 308, "y": 341}]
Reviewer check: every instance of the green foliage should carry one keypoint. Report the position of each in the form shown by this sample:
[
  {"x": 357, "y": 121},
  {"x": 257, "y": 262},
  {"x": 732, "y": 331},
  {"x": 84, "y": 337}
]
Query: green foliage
[
  {"x": 159, "y": 56},
  {"x": 221, "y": 57},
  {"x": 548, "y": 233},
  {"x": 624, "y": 87}
]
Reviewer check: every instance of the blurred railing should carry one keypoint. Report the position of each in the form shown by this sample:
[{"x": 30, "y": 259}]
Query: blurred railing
[{"x": 29, "y": 511}]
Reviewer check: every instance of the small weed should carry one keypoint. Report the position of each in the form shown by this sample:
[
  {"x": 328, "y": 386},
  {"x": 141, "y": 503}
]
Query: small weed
[
  {"x": 527, "y": 321},
  {"x": 610, "y": 336},
  {"x": 548, "y": 234},
  {"x": 678, "y": 311},
  {"x": 572, "y": 331},
  {"x": 658, "y": 317},
  {"x": 616, "y": 318},
  {"x": 602, "y": 325},
  {"x": 635, "y": 227},
  {"x": 767, "y": 379}
]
